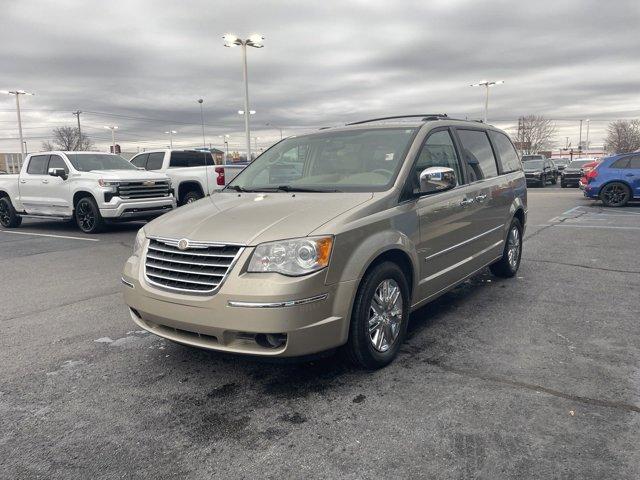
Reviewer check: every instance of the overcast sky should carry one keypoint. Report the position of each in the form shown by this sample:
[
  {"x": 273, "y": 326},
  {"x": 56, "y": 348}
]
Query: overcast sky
[{"x": 141, "y": 65}]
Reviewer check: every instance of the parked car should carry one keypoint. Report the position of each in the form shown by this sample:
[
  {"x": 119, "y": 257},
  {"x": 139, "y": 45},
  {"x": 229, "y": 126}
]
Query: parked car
[
  {"x": 331, "y": 239},
  {"x": 586, "y": 168},
  {"x": 571, "y": 175},
  {"x": 540, "y": 172},
  {"x": 533, "y": 156},
  {"x": 615, "y": 181},
  {"x": 89, "y": 187}
]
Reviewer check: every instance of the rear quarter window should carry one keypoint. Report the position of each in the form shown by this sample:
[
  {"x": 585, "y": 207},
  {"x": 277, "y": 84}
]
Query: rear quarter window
[
  {"x": 508, "y": 157},
  {"x": 478, "y": 154}
]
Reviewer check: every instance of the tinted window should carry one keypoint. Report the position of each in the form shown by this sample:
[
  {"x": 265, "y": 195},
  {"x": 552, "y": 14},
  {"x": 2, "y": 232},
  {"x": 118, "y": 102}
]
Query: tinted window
[
  {"x": 38, "y": 165},
  {"x": 56, "y": 161},
  {"x": 155, "y": 161},
  {"x": 190, "y": 159},
  {"x": 438, "y": 151},
  {"x": 509, "y": 160},
  {"x": 178, "y": 160},
  {"x": 140, "y": 160},
  {"x": 477, "y": 152},
  {"x": 634, "y": 162}
]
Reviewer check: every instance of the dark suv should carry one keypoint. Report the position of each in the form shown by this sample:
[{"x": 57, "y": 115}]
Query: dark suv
[{"x": 540, "y": 171}]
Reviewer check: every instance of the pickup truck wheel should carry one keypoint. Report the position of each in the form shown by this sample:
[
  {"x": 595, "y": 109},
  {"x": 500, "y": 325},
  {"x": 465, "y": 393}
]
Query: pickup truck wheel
[
  {"x": 380, "y": 316},
  {"x": 508, "y": 265},
  {"x": 88, "y": 216},
  {"x": 8, "y": 216},
  {"x": 191, "y": 197},
  {"x": 615, "y": 194}
]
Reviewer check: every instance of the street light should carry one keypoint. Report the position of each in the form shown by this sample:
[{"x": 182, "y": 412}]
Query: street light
[
  {"x": 587, "y": 141},
  {"x": 277, "y": 128},
  {"x": 254, "y": 41},
  {"x": 171, "y": 133},
  {"x": 226, "y": 143},
  {"x": 204, "y": 141},
  {"x": 251, "y": 112},
  {"x": 486, "y": 84},
  {"x": 113, "y": 129},
  {"x": 17, "y": 93}
]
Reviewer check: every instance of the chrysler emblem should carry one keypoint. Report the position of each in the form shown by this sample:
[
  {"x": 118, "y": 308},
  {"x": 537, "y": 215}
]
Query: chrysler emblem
[
  {"x": 183, "y": 244},
  {"x": 148, "y": 183}
]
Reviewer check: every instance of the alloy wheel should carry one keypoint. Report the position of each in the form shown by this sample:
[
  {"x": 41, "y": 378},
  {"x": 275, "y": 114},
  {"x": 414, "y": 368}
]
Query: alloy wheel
[
  {"x": 5, "y": 215},
  {"x": 513, "y": 247},
  {"x": 385, "y": 315},
  {"x": 615, "y": 194},
  {"x": 86, "y": 217}
]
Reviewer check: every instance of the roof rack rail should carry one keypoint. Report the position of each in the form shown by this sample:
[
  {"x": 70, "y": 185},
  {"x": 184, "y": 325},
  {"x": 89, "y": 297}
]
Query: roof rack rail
[{"x": 424, "y": 117}]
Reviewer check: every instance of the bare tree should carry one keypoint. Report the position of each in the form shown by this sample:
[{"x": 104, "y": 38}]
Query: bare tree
[
  {"x": 535, "y": 133},
  {"x": 623, "y": 136},
  {"x": 68, "y": 139}
]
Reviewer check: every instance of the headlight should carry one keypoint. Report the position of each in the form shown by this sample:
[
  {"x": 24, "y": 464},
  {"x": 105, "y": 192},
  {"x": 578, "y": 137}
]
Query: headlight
[
  {"x": 139, "y": 242},
  {"x": 295, "y": 257},
  {"x": 108, "y": 183}
]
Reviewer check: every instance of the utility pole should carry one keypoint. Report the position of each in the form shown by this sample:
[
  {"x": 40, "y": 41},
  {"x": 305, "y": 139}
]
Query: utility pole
[
  {"x": 204, "y": 141},
  {"x": 77, "y": 114},
  {"x": 486, "y": 84}
]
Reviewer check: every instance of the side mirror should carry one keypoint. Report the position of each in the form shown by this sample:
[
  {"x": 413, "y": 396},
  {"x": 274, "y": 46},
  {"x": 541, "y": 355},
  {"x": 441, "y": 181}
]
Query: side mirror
[
  {"x": 58, "y": 172},
  {"x": 437, "y": 179}
]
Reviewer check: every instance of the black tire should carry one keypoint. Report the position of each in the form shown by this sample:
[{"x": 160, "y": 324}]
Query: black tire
[
  {"x": 562, "y": 184},
  {"x": 554, "y": 181},
  {"x": 8, "y": 216},
  {"x": 191, "y": 196},
  {"x": 360, "y": 348},
  {"x": 88, "y": 217},
  {"x": 506, "y": 267},
  {"x": 543, "y": 181},
  {"x": 615, "y": 194}
]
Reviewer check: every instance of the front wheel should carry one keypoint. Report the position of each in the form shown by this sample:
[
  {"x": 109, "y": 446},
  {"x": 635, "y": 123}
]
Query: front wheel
[
  {"x": 8, "y": 216},
  {"x": 380, "y": 316},
  {"x": 190, "y": 197},
  {"x": 554, "y": 181},
  {"x": 508, "y": 265},
  {"x": 615, "y": 194},
  {"x": 562, "y": 184},
  {"x": 543, "y": 181},
  {"x": 88, "y": 216}
]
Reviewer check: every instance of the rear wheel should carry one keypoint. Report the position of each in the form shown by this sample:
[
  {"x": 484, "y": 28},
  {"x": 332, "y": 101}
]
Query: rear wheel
[
  {"x": 88, "y": 216},
  {"x": 8, "y": 216},
  {"x": 508, "y": 265},
  {"x": 543, "y": 181},
  {"x": 190, "y": 197},
  {"x": 615, "y": 194},
  {"x": 380, "y": 316}
]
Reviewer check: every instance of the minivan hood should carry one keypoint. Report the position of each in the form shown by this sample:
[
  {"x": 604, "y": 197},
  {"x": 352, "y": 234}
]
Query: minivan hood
[
  {"x": 134, "y": 175},
  {"x": 252, "y": 218}
]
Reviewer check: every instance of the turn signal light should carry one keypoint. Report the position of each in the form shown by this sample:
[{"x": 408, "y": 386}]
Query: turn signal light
[{"x": 220, "y": 176}]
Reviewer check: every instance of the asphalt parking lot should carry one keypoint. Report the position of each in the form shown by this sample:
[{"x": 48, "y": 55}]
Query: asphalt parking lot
[{"x": 532, "y": 377}]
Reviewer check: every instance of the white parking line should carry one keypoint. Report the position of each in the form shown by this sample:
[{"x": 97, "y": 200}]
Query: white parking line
[
  {"x": 50, "y": 235},
  {"x": 590, "y": 226},
  {"x": 571, "y": 210}
]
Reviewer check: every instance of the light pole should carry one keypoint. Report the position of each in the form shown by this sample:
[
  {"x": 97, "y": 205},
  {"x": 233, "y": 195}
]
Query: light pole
[
  {"x": 255, "y": 142},
  {"x": 277, "y": 128},
  {"x": 204, "y": 142},
  {"x": 17, "y": 93},
  {"x": 113, "y": 129},
  {"x": 486, "y": 84},
  {"x": 254, "y": 41},
  {"x": 580, "y": 138},
  {"x": 586, "y": 143},
  {"x": 77, "y": 114},
  {"x": 171, "y": 134}
]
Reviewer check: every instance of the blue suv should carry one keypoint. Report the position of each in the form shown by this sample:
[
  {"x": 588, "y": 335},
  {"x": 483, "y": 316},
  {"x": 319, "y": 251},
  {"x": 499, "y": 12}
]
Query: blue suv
[{"x": 615, "y": 181}]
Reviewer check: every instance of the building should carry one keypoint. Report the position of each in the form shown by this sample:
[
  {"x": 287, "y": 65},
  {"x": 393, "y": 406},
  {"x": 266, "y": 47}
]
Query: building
[{"x": 10, "y": 162}]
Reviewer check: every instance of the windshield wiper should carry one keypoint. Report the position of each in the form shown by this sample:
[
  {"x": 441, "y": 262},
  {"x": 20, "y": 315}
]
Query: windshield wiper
[
  {"x": 291, "y": 188},
  {"x": 237, "y": 188}
]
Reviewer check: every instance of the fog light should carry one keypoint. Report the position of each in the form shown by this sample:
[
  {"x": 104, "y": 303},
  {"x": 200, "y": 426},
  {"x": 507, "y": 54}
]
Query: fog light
[{"x": 271, "y": 340}]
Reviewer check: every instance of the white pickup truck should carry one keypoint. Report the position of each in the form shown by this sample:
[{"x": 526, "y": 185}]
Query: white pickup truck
[
  {"x": 193, "y": 173},
  {"x": 89, "y": 187}
]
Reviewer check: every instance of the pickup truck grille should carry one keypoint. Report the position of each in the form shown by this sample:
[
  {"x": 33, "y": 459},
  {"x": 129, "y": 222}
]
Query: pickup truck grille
[
  {"x": 146, "y": 189},
  {"x": 198, "y": 268}
]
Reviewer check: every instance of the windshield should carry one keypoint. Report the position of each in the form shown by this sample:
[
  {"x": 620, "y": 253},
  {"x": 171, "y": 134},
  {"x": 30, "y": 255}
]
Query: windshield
[
  {"x": 526, "y": 158},
  {"x": 532, "y": 164},
  {"x": 348, "y": 161},
  {"x": 86, "y": 162},
  {"x": 579, "y": 163}
]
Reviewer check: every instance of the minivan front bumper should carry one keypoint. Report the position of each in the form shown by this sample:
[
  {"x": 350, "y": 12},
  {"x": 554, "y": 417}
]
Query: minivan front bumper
[{"x": 247, "y": 313}]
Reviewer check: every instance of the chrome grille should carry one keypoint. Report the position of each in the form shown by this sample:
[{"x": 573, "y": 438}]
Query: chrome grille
[
  {"x": 200, "y": 268},
  {"x": 146, "y": 189}
]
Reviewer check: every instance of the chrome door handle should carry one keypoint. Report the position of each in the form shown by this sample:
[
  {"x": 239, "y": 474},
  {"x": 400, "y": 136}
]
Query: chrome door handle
[
  {"x": 466, "y": 201},
  {"x": 23, "y": 181},
  {"x": 481, "y": 198},
  {"x": 45, "y": 181}
]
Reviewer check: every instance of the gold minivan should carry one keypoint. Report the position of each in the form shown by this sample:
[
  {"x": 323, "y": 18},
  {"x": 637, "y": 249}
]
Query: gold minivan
[{"x": 332, "y": 239}]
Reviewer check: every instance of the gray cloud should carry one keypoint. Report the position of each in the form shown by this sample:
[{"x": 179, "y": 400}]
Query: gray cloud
[{"x": 146, "y": 62}]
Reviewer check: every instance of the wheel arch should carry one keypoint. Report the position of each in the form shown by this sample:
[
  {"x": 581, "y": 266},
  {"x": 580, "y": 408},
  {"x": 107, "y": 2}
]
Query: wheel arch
[
  {"x": 81, "y": 194},
  {"x": 616, "y": 180},
  {"x": 187, "y": 186}
]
